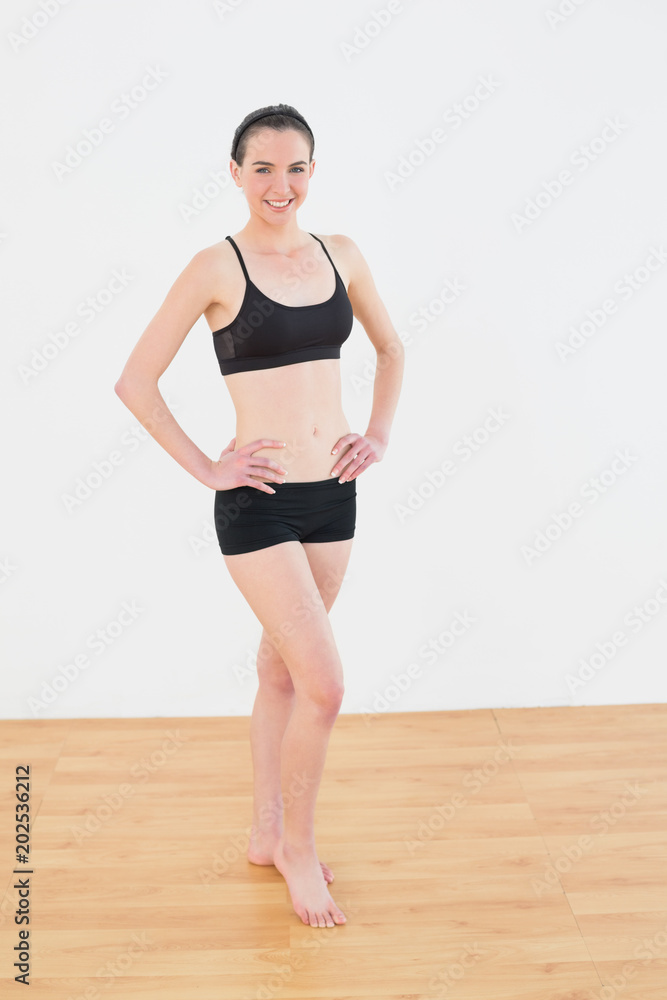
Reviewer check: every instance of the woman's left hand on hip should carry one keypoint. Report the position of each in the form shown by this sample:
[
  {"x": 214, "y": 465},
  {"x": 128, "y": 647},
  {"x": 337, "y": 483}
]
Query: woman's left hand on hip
[{"x": 362, "y": 451}]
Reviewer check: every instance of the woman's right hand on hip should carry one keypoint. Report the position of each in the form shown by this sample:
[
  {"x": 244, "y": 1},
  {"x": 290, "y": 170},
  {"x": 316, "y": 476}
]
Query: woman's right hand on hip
[{"x": 235, "y": 468}]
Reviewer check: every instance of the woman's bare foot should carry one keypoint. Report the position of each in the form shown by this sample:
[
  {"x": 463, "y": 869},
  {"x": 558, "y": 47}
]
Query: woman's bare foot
[
  {"x": 310, "y": 897},
  {"x": 262, "y": 848}
]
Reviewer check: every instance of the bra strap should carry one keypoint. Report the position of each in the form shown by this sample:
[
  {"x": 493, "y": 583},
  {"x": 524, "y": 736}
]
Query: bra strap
[
  {"x": 238, "y": 254},
  {"x": 327, "y": 253}
]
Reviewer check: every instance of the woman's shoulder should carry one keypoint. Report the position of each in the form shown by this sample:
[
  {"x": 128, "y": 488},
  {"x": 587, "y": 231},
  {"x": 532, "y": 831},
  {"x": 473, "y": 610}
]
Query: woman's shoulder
[
  {"x": 346, "y": 255},
  {"x": 218, "y": 260},
  {"x": 215, "y": 251},
  {"x": 344, "y": 249},
  {"x": 337, "y": 241}
]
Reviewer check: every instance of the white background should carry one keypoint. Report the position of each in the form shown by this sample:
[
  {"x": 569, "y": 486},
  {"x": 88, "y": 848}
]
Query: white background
[{"x": 372, "y": 95}]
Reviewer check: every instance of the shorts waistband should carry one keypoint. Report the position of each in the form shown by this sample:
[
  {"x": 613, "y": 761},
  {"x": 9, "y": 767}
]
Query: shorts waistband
[
  {"x": 332, "y": 480},
  {"x": 330, "y": 487}
]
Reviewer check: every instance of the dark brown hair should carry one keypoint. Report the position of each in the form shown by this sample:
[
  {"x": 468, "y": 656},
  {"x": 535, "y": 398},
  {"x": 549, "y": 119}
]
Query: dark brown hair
[{"x": 280, "y": 117}]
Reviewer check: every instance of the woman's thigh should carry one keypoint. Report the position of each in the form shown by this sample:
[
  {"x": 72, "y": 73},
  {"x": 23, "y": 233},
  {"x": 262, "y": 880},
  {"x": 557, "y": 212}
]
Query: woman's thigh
[
  {"x": 283, "y": 590},
  {"x": 328, "y": 562}
]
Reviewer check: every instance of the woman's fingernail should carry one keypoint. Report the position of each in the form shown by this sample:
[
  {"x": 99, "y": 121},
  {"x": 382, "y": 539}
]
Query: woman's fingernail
[{"x": 334, "y": 451}]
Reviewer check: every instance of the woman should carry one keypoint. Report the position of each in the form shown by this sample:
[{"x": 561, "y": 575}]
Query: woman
[{"x": 284, "y": 505}]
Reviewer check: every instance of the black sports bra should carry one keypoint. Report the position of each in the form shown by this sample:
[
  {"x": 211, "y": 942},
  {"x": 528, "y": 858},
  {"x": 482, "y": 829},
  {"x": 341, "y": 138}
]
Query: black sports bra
[{"x": 268, "y": 334}]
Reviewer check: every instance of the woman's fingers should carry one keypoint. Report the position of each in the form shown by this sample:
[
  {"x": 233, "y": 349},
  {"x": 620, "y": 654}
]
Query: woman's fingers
[
  {"x": 343, "y": 441},
  {"x": 263, "y": 487},
  {"x": 260, "y": 463},
  {"x": 362, "y": 451},
  {"x": 357, "y": 450},
  {"x": 262, "y": 443},
  {"x": 361, "y": 459}
]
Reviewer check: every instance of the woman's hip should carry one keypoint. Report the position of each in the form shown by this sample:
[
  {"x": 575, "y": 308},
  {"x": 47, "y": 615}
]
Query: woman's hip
[{"x": 247, "y": 518}]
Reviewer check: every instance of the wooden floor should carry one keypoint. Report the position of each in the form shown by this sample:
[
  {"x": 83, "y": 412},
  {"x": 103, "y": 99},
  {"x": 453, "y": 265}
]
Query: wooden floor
[{"x": 517, "y": 854}]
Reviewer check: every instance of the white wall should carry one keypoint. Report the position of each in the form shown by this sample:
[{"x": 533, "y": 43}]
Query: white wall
[{"x": 552, "y": 87}]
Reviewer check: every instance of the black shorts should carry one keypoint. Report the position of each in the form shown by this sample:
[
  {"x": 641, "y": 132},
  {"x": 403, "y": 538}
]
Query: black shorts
[{"x": 247, "y": 518}]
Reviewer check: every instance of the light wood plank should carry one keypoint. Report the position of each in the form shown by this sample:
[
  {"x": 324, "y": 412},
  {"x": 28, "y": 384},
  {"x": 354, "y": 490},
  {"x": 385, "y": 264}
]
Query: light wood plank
[{"x": 496, "y": 879}]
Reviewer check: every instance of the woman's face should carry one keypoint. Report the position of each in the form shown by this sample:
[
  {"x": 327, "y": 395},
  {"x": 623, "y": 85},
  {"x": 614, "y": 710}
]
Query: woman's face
[{"x": 275, "y": 170}]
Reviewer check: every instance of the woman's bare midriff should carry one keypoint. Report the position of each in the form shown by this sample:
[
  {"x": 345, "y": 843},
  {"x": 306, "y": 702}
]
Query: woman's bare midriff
[{"x": 299, "y": 404}]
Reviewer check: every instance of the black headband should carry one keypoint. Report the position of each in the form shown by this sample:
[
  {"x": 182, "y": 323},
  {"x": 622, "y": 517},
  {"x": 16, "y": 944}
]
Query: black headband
[{"x": 267, "y": 114}]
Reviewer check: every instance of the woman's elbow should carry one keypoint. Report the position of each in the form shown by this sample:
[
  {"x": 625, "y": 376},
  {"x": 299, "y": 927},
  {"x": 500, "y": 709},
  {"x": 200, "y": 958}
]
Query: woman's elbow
[
  {"x": 129, "y": 385},
  {"x": 393, "y": 350},
  {"x": 122, "y": 386},
  {"x": 132, "y": 383}
]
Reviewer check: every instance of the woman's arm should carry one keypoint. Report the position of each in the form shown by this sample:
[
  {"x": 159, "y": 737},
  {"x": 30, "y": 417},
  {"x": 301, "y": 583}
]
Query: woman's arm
[
  {"x": 137, "y": 386},
  {"x": 370, "y": 310}
]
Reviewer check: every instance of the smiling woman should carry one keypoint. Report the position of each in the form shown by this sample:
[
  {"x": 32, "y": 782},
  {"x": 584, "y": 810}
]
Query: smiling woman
[{"x": 277, "y": 337}]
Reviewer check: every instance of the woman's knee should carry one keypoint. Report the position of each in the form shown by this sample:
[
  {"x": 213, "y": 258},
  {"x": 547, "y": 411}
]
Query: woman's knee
[
  {"x": 307, "y": 663},
  {"x": 272, "y": 670},
  {"x": 323, "y": 694}
]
